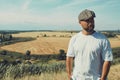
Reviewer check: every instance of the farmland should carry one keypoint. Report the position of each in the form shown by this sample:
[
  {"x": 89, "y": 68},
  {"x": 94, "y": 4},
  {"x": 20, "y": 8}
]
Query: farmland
[
  {"x": 51, "y": 43},
  {"x": 47, "y": 42},
  {"x": 113, "y": 75},
  {"x": 43, "y": 61}
]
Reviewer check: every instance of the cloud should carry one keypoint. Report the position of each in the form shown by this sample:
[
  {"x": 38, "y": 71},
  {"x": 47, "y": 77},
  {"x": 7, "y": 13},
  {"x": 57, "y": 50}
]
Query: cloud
[
  {"x": 53, "y": 19},
  {"x": 48, "y": 1},
  {"x": 74, "y": 3},
  {"x": 63, "y": 14},
  {"x": 26, "y": 4}
]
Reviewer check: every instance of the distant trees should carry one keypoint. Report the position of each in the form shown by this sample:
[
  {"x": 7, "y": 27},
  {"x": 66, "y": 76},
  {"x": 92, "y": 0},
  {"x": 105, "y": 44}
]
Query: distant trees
[
  {"x": 5, "y": 37},
  {"x": 109, "y": 34}
]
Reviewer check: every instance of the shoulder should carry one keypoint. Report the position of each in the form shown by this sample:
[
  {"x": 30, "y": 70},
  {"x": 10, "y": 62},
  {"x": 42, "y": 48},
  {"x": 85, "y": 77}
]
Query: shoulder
[
  {"x": 100, "y": 35},
  {"x": 74, "y": 37},
  {"x": 103, "y": 38}
]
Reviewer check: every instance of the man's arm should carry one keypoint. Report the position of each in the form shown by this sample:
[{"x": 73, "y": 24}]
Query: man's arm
[
  {"x": 105, "y": 70},
  {"x": 69, "y": 61}
]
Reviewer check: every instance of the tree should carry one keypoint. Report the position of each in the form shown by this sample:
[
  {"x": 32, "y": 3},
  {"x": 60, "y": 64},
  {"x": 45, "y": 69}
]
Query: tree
[
  {"x": 27, "y": 57},
  {"x": 28, "y": 53},
  {"x": 62, "y": 55}
]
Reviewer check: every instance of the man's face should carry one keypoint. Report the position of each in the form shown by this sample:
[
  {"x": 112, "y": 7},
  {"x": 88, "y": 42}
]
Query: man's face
[{"x": 88, "y": 25}]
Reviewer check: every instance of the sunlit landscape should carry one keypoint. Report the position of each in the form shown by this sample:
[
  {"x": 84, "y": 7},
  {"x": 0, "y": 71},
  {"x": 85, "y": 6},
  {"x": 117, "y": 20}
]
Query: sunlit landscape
[{"x": 34, "y": 55}]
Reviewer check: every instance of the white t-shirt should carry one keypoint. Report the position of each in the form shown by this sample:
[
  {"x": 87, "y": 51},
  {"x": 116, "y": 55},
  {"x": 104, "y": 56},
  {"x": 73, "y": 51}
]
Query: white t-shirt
[{"x": 89, "y": 52}]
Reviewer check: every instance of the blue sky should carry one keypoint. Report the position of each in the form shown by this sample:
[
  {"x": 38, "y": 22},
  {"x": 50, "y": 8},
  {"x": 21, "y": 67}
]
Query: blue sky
[{"x": 57, "y": 14}]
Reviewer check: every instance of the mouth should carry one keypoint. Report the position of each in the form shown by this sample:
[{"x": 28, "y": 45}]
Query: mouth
[{"x": 90, "y": 29}]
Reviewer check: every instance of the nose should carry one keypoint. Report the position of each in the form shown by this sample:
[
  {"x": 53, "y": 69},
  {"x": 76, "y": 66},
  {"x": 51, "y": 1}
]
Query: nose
[{"x": 89, "y": 24}]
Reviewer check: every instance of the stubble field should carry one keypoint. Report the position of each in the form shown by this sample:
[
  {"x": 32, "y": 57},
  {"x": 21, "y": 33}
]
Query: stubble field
[
  {"x": 51, "y": 43},
  {"x": 47, "y": 42}
]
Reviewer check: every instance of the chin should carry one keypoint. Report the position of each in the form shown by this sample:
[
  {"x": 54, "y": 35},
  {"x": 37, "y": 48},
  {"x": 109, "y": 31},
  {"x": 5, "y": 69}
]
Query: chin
[{"x": 90, "y": 30}]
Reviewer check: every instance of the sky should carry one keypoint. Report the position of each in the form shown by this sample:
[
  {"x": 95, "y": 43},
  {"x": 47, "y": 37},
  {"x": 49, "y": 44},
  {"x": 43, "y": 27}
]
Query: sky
[{"x": 57, "y": 14}]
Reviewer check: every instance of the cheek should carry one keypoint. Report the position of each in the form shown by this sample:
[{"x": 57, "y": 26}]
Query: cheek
[{"x": 84, "y": 24}]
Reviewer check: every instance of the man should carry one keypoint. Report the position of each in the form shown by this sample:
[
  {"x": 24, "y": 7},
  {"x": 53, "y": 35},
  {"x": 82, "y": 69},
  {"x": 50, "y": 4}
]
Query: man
[{"x": 90, "y": 51}]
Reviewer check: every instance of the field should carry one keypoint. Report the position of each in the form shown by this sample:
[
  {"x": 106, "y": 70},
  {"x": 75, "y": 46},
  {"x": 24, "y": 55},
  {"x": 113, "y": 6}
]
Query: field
[
  {"x": 48, "y": 67},
  {"x": 47, "y": 42},
  {"x": 113, "y": 75}
]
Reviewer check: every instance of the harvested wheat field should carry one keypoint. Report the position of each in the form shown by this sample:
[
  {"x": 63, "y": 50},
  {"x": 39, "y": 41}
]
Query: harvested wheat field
[
  {"x": 40, "y": 46},
  {"x": 115, "y": 42},
  {"x": 51, "y": 44}
]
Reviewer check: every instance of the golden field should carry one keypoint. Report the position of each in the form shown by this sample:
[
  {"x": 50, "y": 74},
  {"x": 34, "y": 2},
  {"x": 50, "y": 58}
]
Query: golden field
[
  {"x": 51, "y": 45},
  {"x": 47, "y": 45}
]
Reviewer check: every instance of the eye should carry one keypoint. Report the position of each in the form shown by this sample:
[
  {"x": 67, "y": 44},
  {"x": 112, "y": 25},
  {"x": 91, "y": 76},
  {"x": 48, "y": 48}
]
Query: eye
[{"x": 87, "y": 20}]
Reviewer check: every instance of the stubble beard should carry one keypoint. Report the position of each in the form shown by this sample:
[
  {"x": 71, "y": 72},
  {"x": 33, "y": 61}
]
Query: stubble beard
[{"x": 90, "y": 30}]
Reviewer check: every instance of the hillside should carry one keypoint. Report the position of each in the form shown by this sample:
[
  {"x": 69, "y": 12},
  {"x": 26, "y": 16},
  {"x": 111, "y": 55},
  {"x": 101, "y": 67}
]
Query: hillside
[{"x": 51, "y": 43}]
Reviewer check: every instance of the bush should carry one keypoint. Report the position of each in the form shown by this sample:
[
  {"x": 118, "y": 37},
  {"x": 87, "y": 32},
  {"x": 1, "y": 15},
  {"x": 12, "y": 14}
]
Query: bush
[
  {"x": 4, "y": 52},
  {"x": 116, "y": 52},
  {"x": 116, "y": 55},
  {"x": 28, "y": 53},
  {"x": 6, "y": 37},
  {"x": 44, "y": 35},
  {"x": 109, "y": 35},
  {"x": 62, "y": 55}
]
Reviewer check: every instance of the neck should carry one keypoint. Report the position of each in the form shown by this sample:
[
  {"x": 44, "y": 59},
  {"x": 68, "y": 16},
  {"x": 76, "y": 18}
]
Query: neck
[{"x": 87, "y": 33}]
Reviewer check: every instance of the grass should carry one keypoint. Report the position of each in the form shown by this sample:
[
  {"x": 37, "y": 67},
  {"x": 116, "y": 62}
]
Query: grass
[
  {"x": 113, "y": 75},
  {"x": 46, "y": 76},
  {"x": 53, "y": 75}
]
